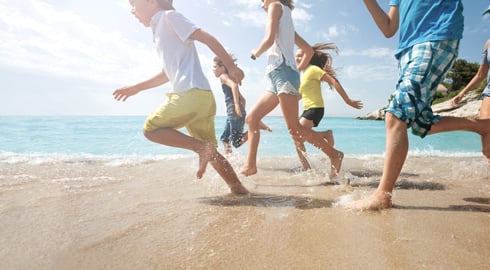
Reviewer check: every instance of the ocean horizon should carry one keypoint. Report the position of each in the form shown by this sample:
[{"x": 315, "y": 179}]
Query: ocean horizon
[{"x": 122, "y": 136}]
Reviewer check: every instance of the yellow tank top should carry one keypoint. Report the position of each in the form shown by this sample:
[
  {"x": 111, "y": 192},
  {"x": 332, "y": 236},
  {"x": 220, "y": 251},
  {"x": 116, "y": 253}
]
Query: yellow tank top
[{"x": 310, "y": 87}]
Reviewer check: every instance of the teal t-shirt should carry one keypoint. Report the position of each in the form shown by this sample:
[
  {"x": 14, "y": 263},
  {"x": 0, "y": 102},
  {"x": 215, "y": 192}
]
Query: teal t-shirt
[{"x": 428, "y": 20}]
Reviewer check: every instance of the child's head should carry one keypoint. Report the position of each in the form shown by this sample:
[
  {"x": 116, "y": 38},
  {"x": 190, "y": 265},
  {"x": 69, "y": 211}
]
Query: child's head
[
  {"x": 219, "y": 67},
  {"x": 320, "y": 58},
  {"x": 143, "y": 10}
]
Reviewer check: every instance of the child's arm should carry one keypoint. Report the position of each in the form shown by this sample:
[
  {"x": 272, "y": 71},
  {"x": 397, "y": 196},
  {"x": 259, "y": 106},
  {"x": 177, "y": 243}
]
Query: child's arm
[
  {"x": 127, "y": 91},
  {"x": 338, "y": 87},
  {"x": 387, "y": 23},
  {"x": 307, "y": 51},
  {"x": 235, "y": 73},
  {"x": 477, "y": 79},
  {"x": 274, "y": 13},
  {"x": 225, "y": 79}
]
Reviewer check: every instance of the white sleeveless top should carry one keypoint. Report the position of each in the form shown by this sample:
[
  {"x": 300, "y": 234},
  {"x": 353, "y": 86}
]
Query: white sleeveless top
[{"x": 283, "y": 47}]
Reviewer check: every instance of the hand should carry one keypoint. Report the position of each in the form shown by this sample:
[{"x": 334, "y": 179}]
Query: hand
[
  {"x": 124, "y": 92},
  {"x": 236, "y": 74},
  {"x": 356, "y": 104},
  {"x": 455, "y": 100},
  {"x": 254, "y": 54},
  {"x": 238, "y": 110}
]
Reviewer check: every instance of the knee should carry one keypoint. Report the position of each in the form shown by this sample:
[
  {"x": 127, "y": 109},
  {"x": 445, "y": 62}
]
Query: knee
[
  {"x": 251, "y": 120},
  {"x": 148, "y": 134}
]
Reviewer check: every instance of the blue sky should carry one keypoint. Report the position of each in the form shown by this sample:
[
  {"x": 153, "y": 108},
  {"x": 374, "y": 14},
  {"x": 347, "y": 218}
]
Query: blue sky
[{"x": 67, "y": 57}]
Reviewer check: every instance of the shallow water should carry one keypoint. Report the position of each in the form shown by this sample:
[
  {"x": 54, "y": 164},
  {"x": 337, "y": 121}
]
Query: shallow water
[{"x": 110, "y": 213}]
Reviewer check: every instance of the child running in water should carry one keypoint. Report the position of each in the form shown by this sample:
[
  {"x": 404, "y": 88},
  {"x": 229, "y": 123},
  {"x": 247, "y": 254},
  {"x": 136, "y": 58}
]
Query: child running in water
[
  {"x": 429, "y": 35},
  {"x": 282, "y": 72},
  {"x": 235, "y": 109},
  {"x": 190, "y": 102},
  {"x": 319, "y": 70}
]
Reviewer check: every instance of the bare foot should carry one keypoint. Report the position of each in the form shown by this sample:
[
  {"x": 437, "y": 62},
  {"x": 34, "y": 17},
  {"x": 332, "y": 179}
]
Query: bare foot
[
  {"x": 227, "y": 148},
  {"x": 205, "y": 156},
  {"x": 238, "y": 190},
  {"x": 377, "y": 201},
  {"x": 247, "y": 171},
  {"x": 264, "y": 126},
  {"x": 336, "y": 164}
]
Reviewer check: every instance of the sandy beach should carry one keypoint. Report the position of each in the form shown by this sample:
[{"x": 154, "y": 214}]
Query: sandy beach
[{"x": 101, "y": 214}]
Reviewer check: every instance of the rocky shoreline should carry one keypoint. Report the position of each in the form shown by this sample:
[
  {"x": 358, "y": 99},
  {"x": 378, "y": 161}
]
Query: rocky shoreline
[{"x": 468, "y": 107}]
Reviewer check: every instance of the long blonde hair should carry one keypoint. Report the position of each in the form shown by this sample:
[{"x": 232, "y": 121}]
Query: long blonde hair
[{"x": 323, "y": 59}]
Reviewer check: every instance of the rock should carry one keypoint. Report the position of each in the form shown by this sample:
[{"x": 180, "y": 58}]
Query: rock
[{"x": 468, "y": 107}]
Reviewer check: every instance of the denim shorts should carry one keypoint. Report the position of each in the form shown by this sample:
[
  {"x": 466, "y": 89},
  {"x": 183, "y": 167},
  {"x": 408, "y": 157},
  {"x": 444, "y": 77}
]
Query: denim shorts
[
  {"x": 283, "y": 80},
  {"x": 422, "y": 68},
  {"x": 233, "y": 131},
  {"x": 485, "y": 93}
]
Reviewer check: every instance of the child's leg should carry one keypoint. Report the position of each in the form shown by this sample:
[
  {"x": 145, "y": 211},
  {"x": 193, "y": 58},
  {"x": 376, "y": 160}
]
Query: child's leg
[
  {"x": 396, "y": 153},
  {"x": 328, "y": 135},
  {"x": 266, "y": 103},
  {"x": 174, "y": 138},
  {"x": 480, "y": 126},
  {"x": 300, "y": 146},
  {"x": 225, "y": 170},
  {"x": 289, "y": 107}
]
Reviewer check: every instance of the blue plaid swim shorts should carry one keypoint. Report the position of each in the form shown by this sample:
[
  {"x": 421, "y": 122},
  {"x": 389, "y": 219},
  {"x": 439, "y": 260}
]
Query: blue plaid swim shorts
[{"x": 422, "y": 68}]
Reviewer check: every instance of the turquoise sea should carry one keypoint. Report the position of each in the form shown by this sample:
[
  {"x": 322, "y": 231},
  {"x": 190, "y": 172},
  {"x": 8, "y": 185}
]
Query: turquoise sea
[{"x": 121, "y": 136}]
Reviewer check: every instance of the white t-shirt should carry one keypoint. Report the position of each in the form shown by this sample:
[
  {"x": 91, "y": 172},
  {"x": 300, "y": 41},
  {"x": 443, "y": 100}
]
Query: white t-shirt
[
  {"x": 283, "y": 47},
  {"x": 180, "y": 61}
]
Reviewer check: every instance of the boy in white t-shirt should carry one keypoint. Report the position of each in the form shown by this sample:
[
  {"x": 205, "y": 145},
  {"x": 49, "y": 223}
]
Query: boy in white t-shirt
[{"x": 190, "y": 102}]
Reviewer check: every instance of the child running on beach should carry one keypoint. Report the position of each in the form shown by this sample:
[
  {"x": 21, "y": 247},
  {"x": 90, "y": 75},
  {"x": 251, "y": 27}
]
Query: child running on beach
[
  {"x": 477, "y": 79},
  {"x": 319, "y": 70},
  {"x": 429, "y": 37},
  {"x": 190, "y": 102},
  {"x": 235, "y": 109},
  {"x": 283, "y": 75}
]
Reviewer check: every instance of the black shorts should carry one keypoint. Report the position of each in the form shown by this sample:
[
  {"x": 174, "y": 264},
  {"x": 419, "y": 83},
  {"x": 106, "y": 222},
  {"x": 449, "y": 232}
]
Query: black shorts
[{"x": 314, "y": 114}]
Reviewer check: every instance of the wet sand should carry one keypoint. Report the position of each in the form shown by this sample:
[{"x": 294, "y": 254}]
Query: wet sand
[{"x": 99, "y": 214}]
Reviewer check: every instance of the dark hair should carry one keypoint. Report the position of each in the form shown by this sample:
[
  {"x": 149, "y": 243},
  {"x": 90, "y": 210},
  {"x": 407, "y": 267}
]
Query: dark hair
[{"x": 220, "y": 63}]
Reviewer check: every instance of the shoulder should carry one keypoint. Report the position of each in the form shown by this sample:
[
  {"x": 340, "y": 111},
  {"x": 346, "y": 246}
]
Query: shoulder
[
  {"x": 312, "y": 69},
  {"x": 485, "y": 47},
  {"x": 275, "y": 9}
]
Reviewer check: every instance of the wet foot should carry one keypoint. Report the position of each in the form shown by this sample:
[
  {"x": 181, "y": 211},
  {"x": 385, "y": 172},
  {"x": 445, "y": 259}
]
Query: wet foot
[
  {"x": 238, "y": 190},
  {"x": 205, "y": 156},
  {"x": 247, "y": 171},
  {"x": 264, "y": 126},
  {"x": 377, "y": 201},
  {"x": 336, "y": 164}
]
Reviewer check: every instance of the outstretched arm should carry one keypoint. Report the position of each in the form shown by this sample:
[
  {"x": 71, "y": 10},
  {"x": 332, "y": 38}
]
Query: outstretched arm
[
  {"x": 338, "y": 87},
  {"x": 235, "y": 73},
  {"x": 307, "y": 51},
  {"x": 127, "y": 91},
  {"x": 386, "y": 22},
  {"x": 477, "y": 79}
]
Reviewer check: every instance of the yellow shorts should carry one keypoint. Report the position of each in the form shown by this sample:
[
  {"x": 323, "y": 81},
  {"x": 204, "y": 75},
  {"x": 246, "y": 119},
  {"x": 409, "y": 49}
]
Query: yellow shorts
[{"x": 194, "y": 109}]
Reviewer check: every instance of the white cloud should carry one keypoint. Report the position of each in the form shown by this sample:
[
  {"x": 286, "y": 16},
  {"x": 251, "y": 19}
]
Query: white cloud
[
  {"x": 386, "y": 53},
  {"x": 336, "y": 31},
  {"x": 41, "y": 38}
]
